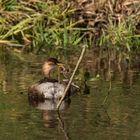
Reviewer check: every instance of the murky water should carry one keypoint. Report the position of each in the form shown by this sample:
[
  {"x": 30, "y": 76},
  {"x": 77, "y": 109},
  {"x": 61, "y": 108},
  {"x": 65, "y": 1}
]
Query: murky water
[{"x": 92, "y": 116}]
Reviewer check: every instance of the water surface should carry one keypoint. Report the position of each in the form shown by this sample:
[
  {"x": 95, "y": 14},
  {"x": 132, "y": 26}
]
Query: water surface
[{"x": 88, "y": 116}]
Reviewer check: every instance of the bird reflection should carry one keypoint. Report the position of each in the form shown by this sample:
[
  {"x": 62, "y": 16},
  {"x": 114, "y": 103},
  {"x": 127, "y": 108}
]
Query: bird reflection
[
  {"x": 50, "y": 118},
  {"x": 49, "y": 114}
]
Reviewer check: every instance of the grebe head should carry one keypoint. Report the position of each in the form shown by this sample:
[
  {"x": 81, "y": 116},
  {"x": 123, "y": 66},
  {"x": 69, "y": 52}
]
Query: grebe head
[{"x": 50, "y": 64}]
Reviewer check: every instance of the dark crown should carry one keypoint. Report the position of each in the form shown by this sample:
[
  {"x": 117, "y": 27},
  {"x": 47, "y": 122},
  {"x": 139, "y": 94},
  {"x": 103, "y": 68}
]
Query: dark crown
[{"x": 54, "y": 60}]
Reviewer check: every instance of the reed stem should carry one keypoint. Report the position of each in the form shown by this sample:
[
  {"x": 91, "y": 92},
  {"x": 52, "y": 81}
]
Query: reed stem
[{"x": 72, "y": 76}]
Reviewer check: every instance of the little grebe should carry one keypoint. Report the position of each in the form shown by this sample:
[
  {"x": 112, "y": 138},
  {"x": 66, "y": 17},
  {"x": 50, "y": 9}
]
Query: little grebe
[{"x": 48, "y": 88}]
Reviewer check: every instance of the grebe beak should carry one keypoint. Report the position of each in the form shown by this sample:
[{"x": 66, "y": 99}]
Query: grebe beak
[{"x": 61, "y": 66}]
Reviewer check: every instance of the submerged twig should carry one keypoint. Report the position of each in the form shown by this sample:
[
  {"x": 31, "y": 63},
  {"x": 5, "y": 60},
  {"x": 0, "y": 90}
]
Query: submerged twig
[
  {"x": 110, "y": 82},
  {"x": 62, "y": 126},
  {"x": 72, "y": 76},
  {"x": 108, "y": 93}
]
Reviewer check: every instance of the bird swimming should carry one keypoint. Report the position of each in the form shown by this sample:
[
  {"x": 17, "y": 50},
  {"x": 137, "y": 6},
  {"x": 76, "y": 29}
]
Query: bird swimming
[{"x": 48, "y": 88}]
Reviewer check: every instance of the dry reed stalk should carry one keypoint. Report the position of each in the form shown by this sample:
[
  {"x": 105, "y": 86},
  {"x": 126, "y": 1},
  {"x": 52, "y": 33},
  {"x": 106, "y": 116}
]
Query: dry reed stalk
[{"x": 72, "y": 76}]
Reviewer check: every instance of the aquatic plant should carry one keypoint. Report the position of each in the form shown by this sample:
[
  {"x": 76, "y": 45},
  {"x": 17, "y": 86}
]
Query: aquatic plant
[{"x": 37, "y": 25}]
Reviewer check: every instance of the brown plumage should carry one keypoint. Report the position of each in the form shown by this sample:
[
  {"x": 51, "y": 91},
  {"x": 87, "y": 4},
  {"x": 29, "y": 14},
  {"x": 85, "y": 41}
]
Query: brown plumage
[{"x": 48, "y": 88}]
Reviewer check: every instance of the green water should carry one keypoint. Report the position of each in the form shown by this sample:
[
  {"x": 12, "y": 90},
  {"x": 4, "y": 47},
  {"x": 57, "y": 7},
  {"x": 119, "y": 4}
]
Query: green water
[{"x": 85, "y": 118}]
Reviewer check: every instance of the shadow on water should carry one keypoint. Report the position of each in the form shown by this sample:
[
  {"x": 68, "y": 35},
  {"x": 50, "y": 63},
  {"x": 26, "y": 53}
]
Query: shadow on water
[{"x": 106, "y": 108}]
